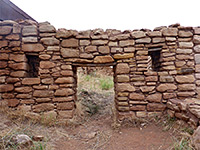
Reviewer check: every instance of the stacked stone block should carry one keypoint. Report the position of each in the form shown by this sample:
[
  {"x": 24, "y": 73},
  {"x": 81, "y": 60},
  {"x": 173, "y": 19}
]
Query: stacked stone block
[{"x": 150, "y": 67}]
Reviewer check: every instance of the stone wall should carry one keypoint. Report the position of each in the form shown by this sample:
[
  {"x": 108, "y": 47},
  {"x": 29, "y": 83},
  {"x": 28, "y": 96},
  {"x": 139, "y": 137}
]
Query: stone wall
[{"x": 150, "y": 67}]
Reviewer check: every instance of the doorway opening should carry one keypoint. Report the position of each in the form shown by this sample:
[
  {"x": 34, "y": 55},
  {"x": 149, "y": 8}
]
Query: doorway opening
[{"x": 94, "y": 90}]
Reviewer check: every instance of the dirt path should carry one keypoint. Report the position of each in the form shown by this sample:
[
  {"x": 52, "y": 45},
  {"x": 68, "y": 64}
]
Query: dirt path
[{"x": 97, "y": 134}]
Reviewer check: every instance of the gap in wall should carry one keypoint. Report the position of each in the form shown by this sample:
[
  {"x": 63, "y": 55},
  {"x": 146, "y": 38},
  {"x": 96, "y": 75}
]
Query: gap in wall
[{"x": 95, "y": 90}]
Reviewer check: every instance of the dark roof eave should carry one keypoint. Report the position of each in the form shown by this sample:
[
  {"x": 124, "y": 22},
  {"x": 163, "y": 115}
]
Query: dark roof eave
[{"x": 18, "y": 9}]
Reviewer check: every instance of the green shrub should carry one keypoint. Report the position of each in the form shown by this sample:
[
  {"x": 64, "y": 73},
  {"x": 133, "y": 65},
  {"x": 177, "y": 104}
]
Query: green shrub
[{"x": 106, "y": 83}]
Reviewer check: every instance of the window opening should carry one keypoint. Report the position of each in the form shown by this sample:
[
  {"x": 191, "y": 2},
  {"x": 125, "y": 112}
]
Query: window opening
[
  {"x": 33, "y": 65},
  {"x": 154, "y": 59}
]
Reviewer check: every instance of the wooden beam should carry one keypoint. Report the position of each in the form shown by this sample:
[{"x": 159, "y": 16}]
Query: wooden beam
[{"x": 93, "y": 65}]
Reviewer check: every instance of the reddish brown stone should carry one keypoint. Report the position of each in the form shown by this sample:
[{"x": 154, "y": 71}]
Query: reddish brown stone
[
  {"x": 127, "y": 43},
  {"x": 141, "y": 57},
  {"x": 29, "y": 30},
  {"x": 63, "y": 80},
  {"x": 122, "y": 68},
  {"x": 64, "y": 92},
  {"x": 78, "y": 60},
  {"x": 46, "y": 64},
  {"x": 99, "y": 42},
  {"x": 23, "y": 89},
  {"x": 47, "y": 81},
  {"x": 62, "y": 99},
  {"x": 104, "y": 49},
  {"x": 30, "y": 81},
  {"x": 68, "y": 114},
  {"x": 123, "y": 56},
  {"x": 91, "y": 49},
  {"x": 136, "y": 96},
  {"x": 65, "y": 106},
  {"x": 141, "y": 114},
  {"x": 84, "y": 42},
  {"x": 53, "y": 48},
  {"x": 122, "y": 87},
  {"x": 69, "y": 53},
  {"x": 158, "y": 40},
  {"x": 3, "y": 56},
  {"x": 103, "y": 59},
  {"x": 197, "y": 68},
  {"x": 13, "y": 102},
  {"x": 185, "y": 79},
  {"x": 43, "y": 93},
  {"x": 166, "y": 79},
  {"x": 32, "y": 47},
  {"x": 6, "y": 88},
  {"x": 4, "y": 72},
  {"x": 86, "y": 55},
  {"x": 166, "y": 87},
  {"x": 154, "y": 33},
  {"x": 47, "y": 28},
  {"x": 122, "y": 78},
  {"x": 154, "y": 97},
  {"x": 181, "y": 116},
  {"x": 170, "y": 31},
  {"x": 43, "y": 100},
  {"x": 155, "y": 107},
  {"x": 70, "y": 43},
  {"x": 169, "y": 95},
  {"x": 40, "y": 87},
  {"x": 143, "y": 40},
  {"x": 146, "y": 89},
  {"x": 186, "y": 87},
  {"x": 129, "y": 49},
  {"x": 138, "y": 34},
  {"x": 12, "y": 37},
  {"x": 196, "y": 39},
  {"x": 18, "y": 66},
  {"x": 183, "y": 33},
  {"x": 138, "y": 108},
  {"x": 66, "y": 73},
  {"x": 43, "y": 107},
  {"x": 66, "y": 67},
  {"x": 3, "y": 64},
  {"x": 116, "y": 50},
  {"x": 29, "y": 39},
  {"x": 8, "y": 95},
  {"x": 14, "y": 43},
  {"x": 186, "y": 94},
  {"x": 45, "y": 57},
  {"x": 24, "y": 96},
  {"x": 2, "y": 79},
  {"x": 4, "y": 30},
  {"x": 3, "y": 43},
  {"x": 17, "y": 57},
  {"x": 151, "y": 78},
  {"x": 50, "y": 41},
  {"x": 186, "y": 44}
]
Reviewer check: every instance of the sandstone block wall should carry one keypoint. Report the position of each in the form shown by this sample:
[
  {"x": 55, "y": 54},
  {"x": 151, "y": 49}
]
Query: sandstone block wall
[{"x": 38, "y": 66}]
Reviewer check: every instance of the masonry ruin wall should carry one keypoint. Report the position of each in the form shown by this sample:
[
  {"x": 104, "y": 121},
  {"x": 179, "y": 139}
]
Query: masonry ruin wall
[{"x": 154, "y": 71}]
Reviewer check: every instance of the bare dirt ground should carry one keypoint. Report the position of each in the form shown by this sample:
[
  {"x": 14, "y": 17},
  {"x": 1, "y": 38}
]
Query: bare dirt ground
[{"x": 97, "y": 134}]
